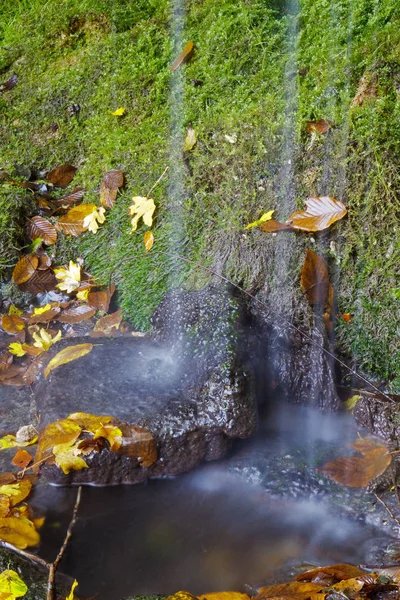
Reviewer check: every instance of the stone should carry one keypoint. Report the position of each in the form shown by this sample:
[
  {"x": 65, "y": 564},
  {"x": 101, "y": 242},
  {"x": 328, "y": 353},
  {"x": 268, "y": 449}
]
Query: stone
[{"x": 185, "y": 383}]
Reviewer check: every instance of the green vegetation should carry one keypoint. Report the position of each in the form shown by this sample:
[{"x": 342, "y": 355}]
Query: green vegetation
[{"x": 264, "y": 72}]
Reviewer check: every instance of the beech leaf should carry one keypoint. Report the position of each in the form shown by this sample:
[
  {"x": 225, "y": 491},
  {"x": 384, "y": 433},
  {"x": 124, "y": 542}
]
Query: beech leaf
[
  {"x": 72, "y": 198},
  {"x": 138, "y": 442},
  {"x": 67, "y": 355},
  {"x": 315, "y": 281},
  {"x": 43, "y": 229},
  {"x": 320, "y": 214},
  {"x": 273, "y": 226},
  {"x": 61, "y": 176},
  {"x": 12, "y": 323},
  {"x": 90, "y": 422},
  {"x": 110, "y": 185},
  {"x": 73, "y": 222},
  {"x": 184, "y": 56},
  {"x": 108, "y": 323},
  {"x": 76, "y": 314},
  {"x": 25, "y": 268}
]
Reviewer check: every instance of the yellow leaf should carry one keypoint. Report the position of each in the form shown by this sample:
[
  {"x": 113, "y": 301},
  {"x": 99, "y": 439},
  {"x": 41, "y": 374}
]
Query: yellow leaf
[
  {"x": 69, "y": 278},
  {"x": 67, "y": 355},
  {"x": 67, "y": 457},
  {"x": 60, "y": 432},
  {"x": 142, "y": 207},
  {"x": 43, "y": 339},
  {"x": 17, "y": 349},
  {"x": 119, "y": 112},
  {"x": 10, "y": 441},
  {"x": 71, "y": 594},
  {"x": 4, "y": 505},
  {"x": 18, "y": 532},
  {"x": 351, "y": 402},
  {"x": 41, "y": 309},
  {"x": 90, "y": 422},
  {"x": 13, "y": 310},
  {"x": 224, "y": 596},
  {"x": 16, "y": 491},
  {"x": 12, "y": 584},
  {"x": 265, "y": 217},
  {"x": 112, "y": 434},
  {"x": 190, "y": 140},
  {"x": 83, "y": 295},
  {"x": 148, "y": 240},
  {"x": 91, "y": 221}
]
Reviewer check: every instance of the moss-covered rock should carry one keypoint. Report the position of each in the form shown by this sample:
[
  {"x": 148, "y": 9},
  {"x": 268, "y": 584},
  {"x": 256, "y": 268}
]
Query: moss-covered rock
[{"x": 259, "y": 72}]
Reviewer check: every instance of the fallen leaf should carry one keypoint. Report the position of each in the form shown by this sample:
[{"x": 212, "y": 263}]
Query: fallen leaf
[
  {"x": 83, "y": 294},
  {"x": 315, "y": 281},
  {"x": 351, "y": 402},
  {"x": 110, "y": 185},
  {"x": 25, "y": 268},
  {"x": 13, "y": 310},
  {"x": 265, "y": 217},
  {"x": 71, "y": 594},
  {"x": 44, "y": 340},
  {"x": 109, "y": 322},
  {"x": 320, "y": 126},
  {"x": 138, "y": 442},
  {"x": 12, "y": 323},
  {"x": 4, "y": 506},
  {"x": 347, "y": 317},
  {"x": 63, "y": 431},
  {"x": 21, "y": 459},
  {"x": 46, "y": 315},
  {"x": 67, "y": 457},
  {"x": 92, "y": 220},
  {"x": 112, "y": 434},
  {"x": 69, "y": 279},
  {"x": 99, "y": 300},
  {"x": 11, "y": 441},
  {"x": 16, "y": 491},
  {"x": 72, "y": 222},
  {"x": 21, "y": 533},
  {"x": 67, "y": 355},
  {"x": 72, "y": 198},
  {"x": 295, "y": 589},
  {"x": 349, "y": 587},
  {"x": 44, "y": 261},
  {"x": 119, "y": 112},
  {"x": 321, "y": 213},
  {"x": 184, "y": 56},
  {"x": 224, "y": 596},
  {"x": 359, "y": 471},
  {"x": 340, "y": 572},
  {"x": 77, "y": 314},
  {"x": 9, "y": 84},
  {"x": 90, "y": 422},
  {"x": 142, "y": 207},
  {"x": 7, "y": 478},
  {"x": 5, "y": 360},
  {"x": 17, "y": 349},
  {"x": 190, "y": 140},
  {"x": 40, "y": 283},
  {"x": 12, "y": 585},
  {"x": 272, "y": 226},
  {"x": 61, "y": 176},
  {"x": 148, "y": 240},
  {"x": 367, "y": 88},
  {"x": 43, "y": 229}
]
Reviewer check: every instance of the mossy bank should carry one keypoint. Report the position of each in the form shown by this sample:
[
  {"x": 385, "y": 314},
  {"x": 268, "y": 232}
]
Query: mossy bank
[{"x": 260, "y": 70}]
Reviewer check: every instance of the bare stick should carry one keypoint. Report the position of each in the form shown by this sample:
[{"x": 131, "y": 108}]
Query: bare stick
[
  {"x": 388, "y": 509},
  {"x": 56, "y": 562},
  {"x": 157, "y": 182},
  {"x": 32, "y": 557}
]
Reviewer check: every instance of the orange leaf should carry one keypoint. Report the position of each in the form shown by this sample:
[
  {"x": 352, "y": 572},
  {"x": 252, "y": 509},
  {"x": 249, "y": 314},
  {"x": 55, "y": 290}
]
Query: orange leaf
[
  {"x": 25, "y": 268},
  {"x": 272, "y": 226},
  {"x": 112, "y": 181},
  {"x": 321, "y": 213},
  {"x": 184, "y": 56},
  {"x": 224, "y": 596},
  {"x": 315, "y": 281},
  {"x": 76, "y": 314},
  {"x": 148, "y": 240},
  {"x": 42, "y": 228},
  {"x": 340, "y": 572},
  {"x": 109, "y": 322},
  {"x": 347, "y": 317},
  {"x": 320, "y": 126},
  {"x": 12, "y": 323},
  {"x": 61, "y": 176},
  {"x": 139, "y": 442},
  {"x": 99, "y": 300},
  {"x": 21, "y": 459},
  {"x": 5, "y": 360},
  {"x": 359, "y": 471},
  {"x": 45, "y": 317},
  {"x": 63, "y": 431}
]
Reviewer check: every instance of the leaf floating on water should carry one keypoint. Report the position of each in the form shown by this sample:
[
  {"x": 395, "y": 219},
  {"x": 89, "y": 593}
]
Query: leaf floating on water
[
  {"x": 61, "y": 176},
  {"x": 43, "y": 229},
  {"x": 25, "y": 268},
  {"x": 190, "y": 140},
  {"x": 112, "y": 181},
  {"x": 21, "y": 459},
  {"x": 11, "y": 585},
  {"x": 184, "y": 56},
  {"x": 67, "y": 355},
  {"x": 148, "y": 240},
  {"x": 21, "y": 533},
  {"x": 320, "y": 126},
  {"x": 142, "y": 207},
  {"x": 359, "y": 471},
  {"x": 321, "y": 213},
  {"x": 119, "y": 112},
  {"x": 265, "y": 217}
]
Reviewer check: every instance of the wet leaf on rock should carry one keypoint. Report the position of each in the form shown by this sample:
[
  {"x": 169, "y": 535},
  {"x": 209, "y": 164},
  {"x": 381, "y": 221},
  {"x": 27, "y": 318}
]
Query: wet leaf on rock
[
  {"x": 21, "y": 533},
  {"x": 90, "y": 422},
  {"x": 63, "y": 431},
  {"x": 184, "y": 56},
  {"x": 11, "y": 585},
  {"x": 295, "y": 589},
  {"x": 17, "y": 491},
  {"x": 40, "y": 283},
  {"x": 76, "y": 314},
  {"x": 11, "y": 441},
  {"x": 12, "y": 324},
  {"x": 21, "y": 459},
  {"x": 67, "y": 355},
  {"x": 61, "y": 176},
  {"x": 108, "y": 323},
  {"x": 320, "y": 214},
  {"x": 43, "y": 229},
  {"x": 340, "y": 572},
  {"x": 110, "y": 185},
  {"x": 138, "y": 442},
  {"x": 25, "y": 268},
  {"x": 67, "y": 457},
  {"x": 359, "y": 471},
  {"x": 112, "y": 434}
]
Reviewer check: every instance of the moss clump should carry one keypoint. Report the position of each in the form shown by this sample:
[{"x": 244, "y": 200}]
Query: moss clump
[{"x": 263, "y": 70}]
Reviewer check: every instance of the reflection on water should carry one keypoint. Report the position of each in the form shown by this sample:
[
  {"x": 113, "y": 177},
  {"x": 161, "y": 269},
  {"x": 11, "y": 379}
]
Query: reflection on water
[{"x": 209, "y": 530}]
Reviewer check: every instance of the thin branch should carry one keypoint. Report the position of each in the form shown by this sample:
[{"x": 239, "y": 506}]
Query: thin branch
[
  {"x": 157, "y": 182},
  {"x": 56, "y": 562},
  {"x": 388, "y": 509}
]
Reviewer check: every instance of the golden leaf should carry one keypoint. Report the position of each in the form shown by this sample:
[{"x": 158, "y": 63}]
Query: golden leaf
[
  {"x": 16, "y": 491},
  {"x": 17, "y": 349},
  {"x": 43, "y": 339},
  {"x": 142, "y": 207},
  {"x": 12, "y": 585},
  {"x": 12, "y": 323},
  {"x": 59, "y": 432},
  {"x": 20, "y": 533},
  {"x": 90, "y": 422},
  {"x": 321, "y": 213},
  {"x": 13, "y": 310},
  {"x": 224, "y": 596},
  {"x": 10, "y": 441},
  {"x": 340, "y": 571},
  {"x": 112, "y": 434},
  {"x": 184, "y": 56},
  {"x": 71, "y": 594},
  {"x": 72, "y": 222},
  {"x": 119, "y": 112},
  {"x": 25, "y": 268},
  {"x": 67, "y": 355},
  {"x": 67, "y": 457},
  {"x": 148, "y": 240},
  {"x": 69, "y": 278},
  {"x": 265, "y": 217}
]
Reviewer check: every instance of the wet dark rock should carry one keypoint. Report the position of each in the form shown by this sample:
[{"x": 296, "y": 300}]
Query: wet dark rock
[
  {"x": 185, "y": 383},
  {"x": 380, "y": 417}
]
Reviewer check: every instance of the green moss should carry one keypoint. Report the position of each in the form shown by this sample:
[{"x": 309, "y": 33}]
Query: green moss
[{"x": 264, "y": 72}]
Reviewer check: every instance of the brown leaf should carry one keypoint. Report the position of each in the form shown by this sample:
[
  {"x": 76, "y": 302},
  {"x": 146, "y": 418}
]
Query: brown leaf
[
  {"x": 12, "y": 371},
  {"x": 112, "y": 181},
  {"x": 21, "y": 459},
  {"x": 100, "y": 300},
  {"x": 72, "y": 222},
  {"x": 67, "y": 355},
  {"x": 367, "y": 88},
  {"x": 89, "y": 445},
  {"x": 5, "y": 360},
  {"x": 72, "y": 198},
  {"x": 340, "y": 572},
  {"x": 359, "y": 471},
  {"x": 9, "y": 84},
  {"x": 40, "y": 282},
  {"x": 12, "y": 323},
  {"x": 61, "y": 176},
  {"x": 42, "y": 228},
  {"x": 315, "y": 281},
  {"x": 272, "y": 226},
  {"x": 7, "y": 478},
  {"x": 148, "y": 240},
  {"x": 138, "y": 442},
  {"x": 320, "y": 126},
  {"x": 321, "y": 213},
  {"x": 45, "y": 317},
  {"x": 109, "y": 322},
  {"x": 297, "y": 590},
  {"x": 184, "y": 56},
  {"x": 224, "y": 596},
  {"x": 25, "y": 268},
  {"x": 44, "y": 261},
  {"x": 76, "y": 314}
]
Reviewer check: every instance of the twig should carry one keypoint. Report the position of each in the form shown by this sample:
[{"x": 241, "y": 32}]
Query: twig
[
  {"x": 56, "y": 562},
  {"x": 157, "y": 182},
  {"x": 32, "y": 557},
  {"x": 388, "y": 509}
]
